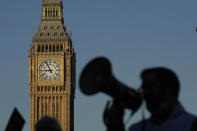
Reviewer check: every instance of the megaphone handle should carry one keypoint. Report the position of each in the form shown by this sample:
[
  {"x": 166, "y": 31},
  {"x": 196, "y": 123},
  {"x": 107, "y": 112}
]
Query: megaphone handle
[
  {"x": 113, "y": 116},
  {"x": 105, "y": 113}
]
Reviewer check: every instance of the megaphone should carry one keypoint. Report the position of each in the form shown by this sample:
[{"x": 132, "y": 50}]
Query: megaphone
[{"x": 98, "y": 77}]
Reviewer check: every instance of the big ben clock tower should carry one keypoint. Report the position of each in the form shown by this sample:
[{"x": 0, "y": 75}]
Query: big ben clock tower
[{"x": 52, "y": 69}]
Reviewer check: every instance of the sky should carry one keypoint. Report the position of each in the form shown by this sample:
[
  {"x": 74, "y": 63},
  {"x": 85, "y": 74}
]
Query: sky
[{"x": 132, "y": 34}]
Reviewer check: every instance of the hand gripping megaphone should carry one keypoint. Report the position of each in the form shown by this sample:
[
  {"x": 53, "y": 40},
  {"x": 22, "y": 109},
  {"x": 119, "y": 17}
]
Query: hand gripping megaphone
[{"x": 98, "y": 77}]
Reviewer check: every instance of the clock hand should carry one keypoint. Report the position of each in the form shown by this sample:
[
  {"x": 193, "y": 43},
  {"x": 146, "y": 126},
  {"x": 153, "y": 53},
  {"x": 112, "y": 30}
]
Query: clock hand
[
  {"x": 48, "y": 67},
  {"x": 46, "y": 70}
]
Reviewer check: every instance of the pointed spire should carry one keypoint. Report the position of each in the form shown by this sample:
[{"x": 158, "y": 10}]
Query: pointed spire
[{"x": 52, "y": 22}]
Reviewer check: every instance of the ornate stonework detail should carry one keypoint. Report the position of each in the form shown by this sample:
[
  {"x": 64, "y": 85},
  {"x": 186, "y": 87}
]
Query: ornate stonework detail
[
  {"x": 51, "y": 30},
  {"x": 52, "y": 23},
  {"x": 52, "y": 69}
]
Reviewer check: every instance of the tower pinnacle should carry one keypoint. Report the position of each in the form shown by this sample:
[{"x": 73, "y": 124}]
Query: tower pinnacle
[
  {"x": 52, "y": 10},
  {"x": 52, "y": 23}
]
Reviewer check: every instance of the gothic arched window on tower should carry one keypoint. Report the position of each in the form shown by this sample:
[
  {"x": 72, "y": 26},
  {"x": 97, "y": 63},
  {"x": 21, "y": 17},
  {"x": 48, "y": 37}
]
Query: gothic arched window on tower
[
  {"x": 50, "y": 48},
  {"x": 57, "y": 48},
  {"x": 45, "y": 105},
  {"x": 60, "y": 107},
  {"x": 61, "y": 47},
  {"x": 46, "y": 14},
  {"x": 45, "y": 27},
  {"x": 51, "y": 13},
  {"x": 57, "y": 111},
  {"x": 68, "y": 49},
  {"x": 38, "y": 104},
  {"x": 46, "y": 48},
  {"x": 49, "y": 105},
  {"x": 38, "y": 48},
  {"x": 55, "y": 34},
  {"x": 42, "y": 102},
  {"x": 62, "y": 34},
  {"x": 54, "y": 13},
  {"x": 58, "y": 27},
  {"x": 53, "y": 110},
  {"x": 42, "y": 48},
  {"x": 53, "y": 48}
]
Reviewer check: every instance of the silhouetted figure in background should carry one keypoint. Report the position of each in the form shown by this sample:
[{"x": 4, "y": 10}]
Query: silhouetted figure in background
[
  {"x": 48, "y": 124},
  {"x": 160, "y": 90}
]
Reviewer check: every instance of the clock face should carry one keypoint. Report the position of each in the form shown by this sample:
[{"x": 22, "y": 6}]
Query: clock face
[{"x": 49, "y": 70}]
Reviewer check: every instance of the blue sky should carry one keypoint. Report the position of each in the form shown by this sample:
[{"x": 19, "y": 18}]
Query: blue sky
[{"x": 133, "y": 34}]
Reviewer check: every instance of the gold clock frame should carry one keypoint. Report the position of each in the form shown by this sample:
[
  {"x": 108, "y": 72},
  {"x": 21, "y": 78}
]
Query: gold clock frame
[{"x": 59, "y": 80}]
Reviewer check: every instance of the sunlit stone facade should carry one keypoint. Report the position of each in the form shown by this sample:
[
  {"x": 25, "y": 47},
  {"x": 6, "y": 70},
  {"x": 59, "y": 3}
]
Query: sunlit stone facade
[{"x": 52, "y": 69}]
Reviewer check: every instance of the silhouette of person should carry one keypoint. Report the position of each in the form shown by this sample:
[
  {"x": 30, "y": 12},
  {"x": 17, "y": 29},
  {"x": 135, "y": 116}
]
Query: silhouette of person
[
  {"x": 48, "y": 124},
  {"x": 160, "y": 90},
  {"x": 160, "y": 87}
]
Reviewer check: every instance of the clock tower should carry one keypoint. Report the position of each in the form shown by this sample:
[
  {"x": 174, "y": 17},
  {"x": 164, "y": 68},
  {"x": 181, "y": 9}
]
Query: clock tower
[{"x": 52, "y": 69}]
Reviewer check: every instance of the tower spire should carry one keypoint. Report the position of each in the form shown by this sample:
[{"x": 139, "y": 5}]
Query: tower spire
[
  {"x": 52, "y": 10},
  {"x": 52, "y": 23}
]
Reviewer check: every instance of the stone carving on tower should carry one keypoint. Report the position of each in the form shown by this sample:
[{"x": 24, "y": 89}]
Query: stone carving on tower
[{"x": 52, "y": 69}]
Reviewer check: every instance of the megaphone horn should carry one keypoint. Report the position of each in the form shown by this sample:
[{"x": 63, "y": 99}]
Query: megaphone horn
[{"x": 97, "y": 77}]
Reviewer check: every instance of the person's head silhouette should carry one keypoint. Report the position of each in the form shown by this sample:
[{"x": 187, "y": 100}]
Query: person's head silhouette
[
  {"x": 160, "y": 90},
  {"x": 48, "y": 124}
]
